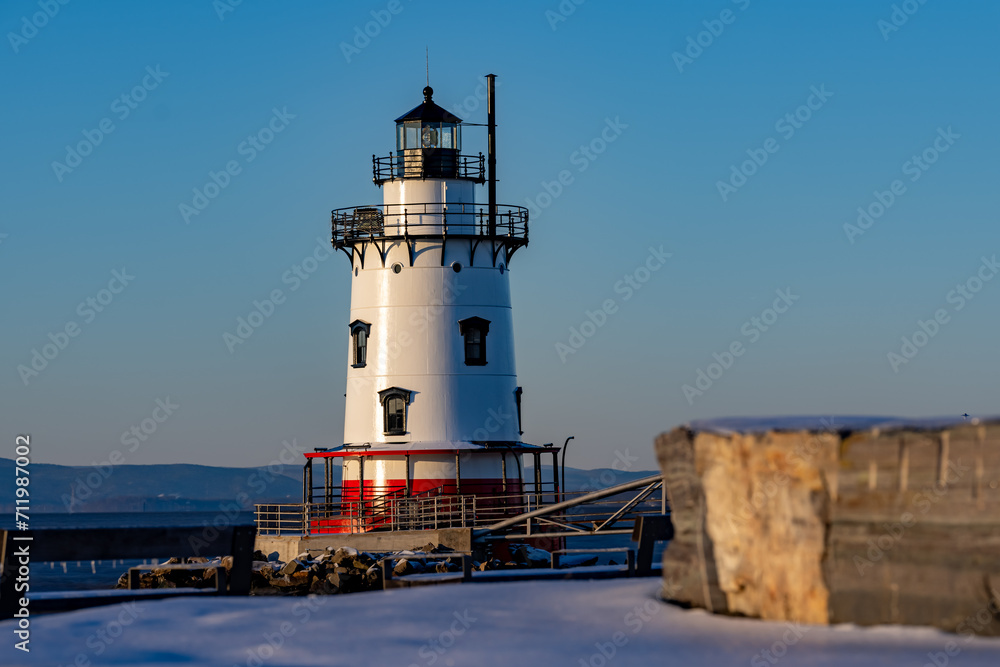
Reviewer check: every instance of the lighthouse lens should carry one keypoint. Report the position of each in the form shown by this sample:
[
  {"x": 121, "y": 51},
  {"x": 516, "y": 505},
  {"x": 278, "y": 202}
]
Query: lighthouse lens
[{"x": 430, "y": 137}]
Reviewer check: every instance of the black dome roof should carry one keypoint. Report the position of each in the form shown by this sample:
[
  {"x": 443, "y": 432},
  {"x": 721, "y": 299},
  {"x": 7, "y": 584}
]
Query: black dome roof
[{"x": 429, "y": 112}]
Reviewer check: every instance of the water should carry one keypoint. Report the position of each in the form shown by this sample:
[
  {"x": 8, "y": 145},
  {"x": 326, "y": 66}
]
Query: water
[
  {"x": 103, "y": 574},
  {"x": 84, "y": 575}
]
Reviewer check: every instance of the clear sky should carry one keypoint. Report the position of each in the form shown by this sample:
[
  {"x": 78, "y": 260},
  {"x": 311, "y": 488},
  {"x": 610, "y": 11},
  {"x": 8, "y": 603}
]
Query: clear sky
[{"x": 740, "y": 137}]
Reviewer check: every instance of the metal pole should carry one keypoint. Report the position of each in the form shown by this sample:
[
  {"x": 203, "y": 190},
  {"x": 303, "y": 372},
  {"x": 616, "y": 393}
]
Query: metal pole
[
  {"x": 503, "y": 474},
  {"x": 555, "y": 477},
  {"x": 491, "y": 150},
  {"x": 308, "y": 481},
  {"x": 565, "y": 445},
  {"x": 409, "y": 480},
  {"x": 361, "y": 490},
  {"x": 538, "y": 479},
  {"x": 458, "y": 474}
]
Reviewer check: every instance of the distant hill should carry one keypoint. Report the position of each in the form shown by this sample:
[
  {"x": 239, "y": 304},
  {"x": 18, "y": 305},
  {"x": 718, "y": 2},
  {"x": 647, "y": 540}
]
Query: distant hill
[
  {"x": 185, "y": 487},
  {"x": 151, "y": 488}
]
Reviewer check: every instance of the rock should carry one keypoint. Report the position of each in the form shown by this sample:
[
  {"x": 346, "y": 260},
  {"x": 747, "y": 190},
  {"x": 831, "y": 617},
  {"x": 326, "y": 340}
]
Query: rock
[
  {"x": 532, "y": 557},
  {"x": 403, "y": 566},
  {"x": 447, "y": 566},
  {"x": 304, "y": 557},
  {"x": 197, "y": 559},
  {"x": 345, "y": 552},
  {"x": 346, "y": 582},
  {"x": 259, "y": 555},
  {"x": 300, "y": 578},
  {"x": 274, "y": 557},
  {"x": 227, "y": 562},
  {"x": 842, "y": 524},
  {"x": 292, "y": 567},
  {"x": 322, "y": 587},
  {"x": 363, "y": 561},
  {"x": 492, "y": 564}
]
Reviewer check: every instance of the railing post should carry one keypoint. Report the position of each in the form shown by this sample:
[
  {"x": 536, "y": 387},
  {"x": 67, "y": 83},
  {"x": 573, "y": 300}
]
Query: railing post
[
  {"x": 538, "y": 478},
  {"x": 466, "y": 567}
]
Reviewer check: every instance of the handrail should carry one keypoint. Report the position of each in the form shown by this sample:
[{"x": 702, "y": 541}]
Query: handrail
[
  {"x": 358, "y": 224},
  {"x": 550, "y": 509},
  {"x": 428, "y": 165},
  {"x": 393, "y": 510}
]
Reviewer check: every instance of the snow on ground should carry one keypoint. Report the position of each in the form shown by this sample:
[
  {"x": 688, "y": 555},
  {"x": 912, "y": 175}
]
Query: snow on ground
[
  {"x": 572, "y": 623},
  {"x": 725, "y": 425}
]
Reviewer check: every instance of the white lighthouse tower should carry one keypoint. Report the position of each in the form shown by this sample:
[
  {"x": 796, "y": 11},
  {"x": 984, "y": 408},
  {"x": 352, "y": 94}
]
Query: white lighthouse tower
[{"x": 433, "y": 405}]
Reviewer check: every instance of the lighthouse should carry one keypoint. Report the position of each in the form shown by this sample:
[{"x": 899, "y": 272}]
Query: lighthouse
[{"x": 433, "y": 412}]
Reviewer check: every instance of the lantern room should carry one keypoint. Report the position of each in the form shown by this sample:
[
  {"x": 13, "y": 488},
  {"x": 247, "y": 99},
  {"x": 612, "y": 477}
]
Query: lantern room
[{"x": 428, "y": 141}]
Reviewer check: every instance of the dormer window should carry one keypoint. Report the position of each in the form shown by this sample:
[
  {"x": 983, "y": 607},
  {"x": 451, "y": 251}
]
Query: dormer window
[
  {"x": 394, "y": 401},
  {"x": 359, "y": 343},
  {"x": 474, "y": 330}
]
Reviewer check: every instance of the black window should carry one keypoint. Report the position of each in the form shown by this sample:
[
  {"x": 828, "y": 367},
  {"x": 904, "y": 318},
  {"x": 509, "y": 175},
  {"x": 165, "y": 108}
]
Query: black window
[
  {"x": 359, "y": 342},
  {"x": 394, "y": 410},
  {"x": 474, "y": 330},
  {"x": 394, "y": 401}
]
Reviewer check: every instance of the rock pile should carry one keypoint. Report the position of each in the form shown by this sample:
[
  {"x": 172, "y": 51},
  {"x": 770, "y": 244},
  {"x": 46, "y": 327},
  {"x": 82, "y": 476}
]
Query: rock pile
[{"x": 335, "y": 570}]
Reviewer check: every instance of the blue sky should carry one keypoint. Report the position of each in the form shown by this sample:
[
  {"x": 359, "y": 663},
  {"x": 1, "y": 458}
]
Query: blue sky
[{"x": 644, "y": 137}]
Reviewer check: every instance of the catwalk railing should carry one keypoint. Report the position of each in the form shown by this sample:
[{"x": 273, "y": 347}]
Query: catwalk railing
[
  {"x": 355, "y": 224},
  {"x": 576, "y": 513},
  {"x": 427, "y": 164}
]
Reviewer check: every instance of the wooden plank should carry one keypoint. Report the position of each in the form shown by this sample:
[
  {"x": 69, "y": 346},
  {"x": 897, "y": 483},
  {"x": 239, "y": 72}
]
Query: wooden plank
[
  {"x": 242, "y": 553},
  {"x": 73, "y": 544},
  {"x": 63, "y": 544}
]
